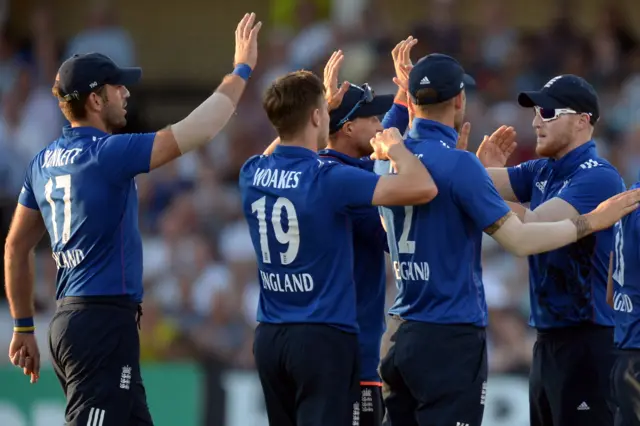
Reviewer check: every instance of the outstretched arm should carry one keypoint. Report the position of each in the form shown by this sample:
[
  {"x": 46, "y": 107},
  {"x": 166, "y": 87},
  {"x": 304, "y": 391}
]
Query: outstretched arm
[{"x": 206, "y": 121}]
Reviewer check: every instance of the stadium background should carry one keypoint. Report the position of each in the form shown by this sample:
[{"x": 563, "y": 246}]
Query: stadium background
[{"x": 199, "y": 265}]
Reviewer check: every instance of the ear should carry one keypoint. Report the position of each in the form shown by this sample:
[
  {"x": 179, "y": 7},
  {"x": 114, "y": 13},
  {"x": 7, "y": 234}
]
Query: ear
[
  {"x": 315, "y": 117},
  {"x": 585, "y": 121},
  {"x": 347, "y": 128},
  {"x": 458, "y": 101}
]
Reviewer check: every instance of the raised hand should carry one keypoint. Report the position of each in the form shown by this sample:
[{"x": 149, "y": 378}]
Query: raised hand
[
  {"x": 333, "y": 93},
  {"x": 247, "y": 41},
  {"x": 402, "y": 62},
  {"x": 463, "y": 137},
  {"x": 384, "y": 141},
  {"x": 494, "y": 151},
  {"x": 608, "y": 212}
]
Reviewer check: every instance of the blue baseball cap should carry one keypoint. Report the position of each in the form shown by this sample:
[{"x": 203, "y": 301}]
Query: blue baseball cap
[
  {"x": 359, "y": 102},
  {"x": 84, "y": 73},
  {"x": 564, "y": 91},
  {"x": 440, "y": 73}
]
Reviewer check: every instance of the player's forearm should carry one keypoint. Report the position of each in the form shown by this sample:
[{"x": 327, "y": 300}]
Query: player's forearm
[
  {"x": 210, "y": 117},
  {"x": 502, "y": 182},
  {"x": 18, "y": 274},
  {"x": 523, "y": 239},
  {"x": 519, "y": 210},
  {"x": 413, "y": 173}
]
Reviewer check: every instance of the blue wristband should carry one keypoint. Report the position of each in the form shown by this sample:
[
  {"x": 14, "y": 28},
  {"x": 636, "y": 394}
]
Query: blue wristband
[
  {"x": 243, "y": 71},
  {"x": 23, "y": 325}
]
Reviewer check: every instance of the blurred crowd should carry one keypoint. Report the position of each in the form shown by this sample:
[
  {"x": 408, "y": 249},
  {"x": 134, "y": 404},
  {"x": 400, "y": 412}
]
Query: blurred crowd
[{"x": 199, "y": 265}]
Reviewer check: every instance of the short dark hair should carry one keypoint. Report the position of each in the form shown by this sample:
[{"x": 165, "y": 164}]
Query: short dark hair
[
  {"x": 75, "y": 109},
  {"x": 290, "y": 99},
  {"x": 429, "y": 93}
]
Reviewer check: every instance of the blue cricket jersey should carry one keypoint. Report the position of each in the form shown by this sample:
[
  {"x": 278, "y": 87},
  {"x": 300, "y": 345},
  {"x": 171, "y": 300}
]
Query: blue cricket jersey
[
  {"x": 83, "y": 185},
  {"x": 568, "y": 285},
  {"x": 626, "y": 280},
  {"x": 436, "y": 247},
  {"x": 369, "y": 273},
  {"x": 297, "y": 207}
]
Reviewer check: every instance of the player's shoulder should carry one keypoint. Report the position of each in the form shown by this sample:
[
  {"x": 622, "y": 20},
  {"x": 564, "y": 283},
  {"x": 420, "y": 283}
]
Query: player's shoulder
[
  {"x": 599, "y": 168},
  {"x": 46, "y": 155}
]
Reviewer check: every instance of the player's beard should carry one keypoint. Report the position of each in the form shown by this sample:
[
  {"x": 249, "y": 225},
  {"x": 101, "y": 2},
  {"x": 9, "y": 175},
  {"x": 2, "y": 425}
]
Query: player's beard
[
  {"x": 552, "y": 148},
  {"x": 458, "y": 120},
  {"x": 112, "y": 116}
]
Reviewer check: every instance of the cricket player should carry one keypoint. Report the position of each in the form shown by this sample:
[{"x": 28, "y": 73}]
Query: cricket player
[
  {"x": 437, "y": 367},
  {"x": 81, "y": 190},
  {"x": 574, "y": 351},
  {"x": 297, "y": 207},
  {"x": 353, "y": 123},
  {"x": 623, "y": 296}
]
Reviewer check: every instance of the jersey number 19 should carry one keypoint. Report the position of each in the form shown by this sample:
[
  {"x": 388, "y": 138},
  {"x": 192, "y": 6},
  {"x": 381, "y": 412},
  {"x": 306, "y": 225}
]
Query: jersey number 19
[{"x": 291, "y": 236}]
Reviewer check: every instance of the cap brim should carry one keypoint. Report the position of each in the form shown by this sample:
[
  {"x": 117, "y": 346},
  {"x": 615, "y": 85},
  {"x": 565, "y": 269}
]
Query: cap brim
[
  {"x": 378, "y": 106},
  {"x": 128, "y": 76},
  {"x": 533, "y": 99},
  {"x": 468, "y": 80}
]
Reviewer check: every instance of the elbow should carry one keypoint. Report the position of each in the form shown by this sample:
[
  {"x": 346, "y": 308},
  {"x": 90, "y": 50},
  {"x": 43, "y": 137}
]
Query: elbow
[
  {"x": 431, "y": 193},
  {"x": 426, "y": 194},
  {"x": 13, "y": 249}
]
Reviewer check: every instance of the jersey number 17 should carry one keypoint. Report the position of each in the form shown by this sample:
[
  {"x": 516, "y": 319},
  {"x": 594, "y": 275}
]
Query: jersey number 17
[{"x": 62, "y": 182}]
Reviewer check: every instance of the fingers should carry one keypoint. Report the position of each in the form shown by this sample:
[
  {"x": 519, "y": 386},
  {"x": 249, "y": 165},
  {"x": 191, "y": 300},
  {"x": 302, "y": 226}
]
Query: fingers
[
  {"x": 405, "y": 50},
  {"x": 401, "y": 84},
  {"x": 329, "y": 63},
  {"x": 15, "y": 358},
  {"x": 463, "y": 138},
  {"x": 22, "y": 358},
  {"x": 248, "y": 26},
  {"x": 253, "y": 35},
  {"x": 332, "y": 69},
  {"x": 507, "y": 138},
  {"x": 28, "y": 366},
  {"x": 511, "y": 149},
  {"x": 343, "y": 89},
  {"x": 396, "y": 50},
  {"x": 241, "y": 26}
]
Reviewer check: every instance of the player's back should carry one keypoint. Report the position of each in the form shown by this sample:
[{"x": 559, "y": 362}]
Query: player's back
[
  {"x": 436, "y": 247},
  {"x": 296, "y": 206},
  {"x": 626, "y": 278},
  {"x": 83, "y": 186}
]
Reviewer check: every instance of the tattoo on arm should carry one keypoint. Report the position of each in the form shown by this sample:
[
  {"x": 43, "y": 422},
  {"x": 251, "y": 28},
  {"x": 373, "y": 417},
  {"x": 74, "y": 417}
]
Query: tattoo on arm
[
  {"x": 582, "y": 225},
  {"x": 492, "y": 229}
]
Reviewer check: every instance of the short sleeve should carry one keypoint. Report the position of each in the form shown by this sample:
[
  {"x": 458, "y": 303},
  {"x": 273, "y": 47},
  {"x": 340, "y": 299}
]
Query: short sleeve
[
  {"x": 589, "y": 187},
  {"x": 27, "y": 197},
  {"x": 124, "y": 156},
  {"x": 522, "y": 176},
  {"x": 348, "y": 186},
  {"x": 474, "y": 192}
]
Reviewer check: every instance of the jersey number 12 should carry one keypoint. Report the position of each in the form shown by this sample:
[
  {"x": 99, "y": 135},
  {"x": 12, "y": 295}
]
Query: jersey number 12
[
  {"x": 62, "y": 182},
  {"x": 291, "y": 237}
]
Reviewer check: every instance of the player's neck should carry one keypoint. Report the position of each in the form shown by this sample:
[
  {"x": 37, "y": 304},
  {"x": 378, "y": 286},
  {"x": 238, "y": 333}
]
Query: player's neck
[
  {"x": 578, "y": 142},
  {"x": 301, "y": 141},
  {"x": 98, "y": 124},
  {"x": 344, "y": 147},
  {"x": 445, "y": 119}
]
